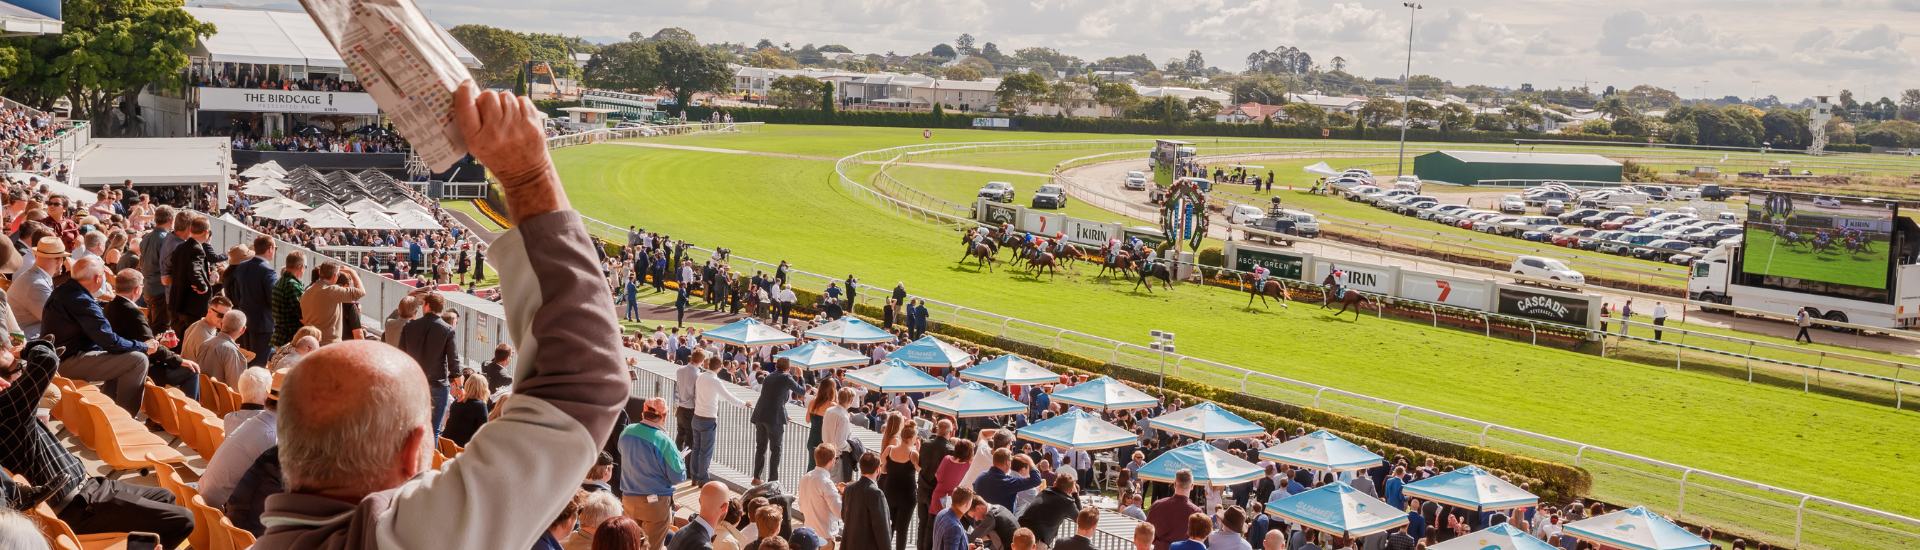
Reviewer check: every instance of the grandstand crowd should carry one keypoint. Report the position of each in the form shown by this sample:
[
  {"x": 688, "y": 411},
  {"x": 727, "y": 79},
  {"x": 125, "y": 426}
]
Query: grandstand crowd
[
  {"x": 23, "y": 135},
  {"x": 436, "y": 257},
  {"x": 342, "y": 435},
  {"x": 258, "y": 83},
  {"x": 320, "y": 143}
]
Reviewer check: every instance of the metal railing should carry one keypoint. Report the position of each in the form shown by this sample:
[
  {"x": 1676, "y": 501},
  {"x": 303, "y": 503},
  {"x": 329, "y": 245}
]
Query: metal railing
[
  {"x": 603, "y": 135},
  {"x": 1731, "y": 504}
]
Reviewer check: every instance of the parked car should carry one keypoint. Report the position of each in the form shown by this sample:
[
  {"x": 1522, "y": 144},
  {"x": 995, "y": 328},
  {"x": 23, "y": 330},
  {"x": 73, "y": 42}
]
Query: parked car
[
  {"x": 1541, "y": 197},
  {"x": 1714, "y": 236},
  {"x": 1570, "y": 236},
  {"x": 1493, "y": 226},
  {"x": 1575, "y": 217},
  {"x": 1244, "y": 214},
  {"x": 1523, "y": 224},
  {"x": 1660, "y": 249},
  {"x": 1512, "y": 204},
  {"x": 1360, "y": 192},
  {"x": 998, "y": 191},
  {"x": 1713, "y": 192},
  {"x": 1136, "y": 180},
  {"x": 1410, "y": 205},
  {"x": 1621, "y": 222},
  {"x": 1595, "y": 220},
  {"x": 1546, "y": 268},
  {"x": 1624, "y": 244},
  {"x": 1050, "y": 196},
  {"x": 1431, "y": 212},
  {"x": 1593, "y": 242},
  {"x": 1554, "y": 208}
]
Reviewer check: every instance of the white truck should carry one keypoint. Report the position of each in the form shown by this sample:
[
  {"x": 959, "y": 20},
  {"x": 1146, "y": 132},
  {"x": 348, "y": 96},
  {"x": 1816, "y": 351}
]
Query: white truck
[{"x": 1719, "y": 277}]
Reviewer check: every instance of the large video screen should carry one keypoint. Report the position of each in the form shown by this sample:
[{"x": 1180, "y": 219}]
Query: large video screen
[{"x": 1837, "y": 240}]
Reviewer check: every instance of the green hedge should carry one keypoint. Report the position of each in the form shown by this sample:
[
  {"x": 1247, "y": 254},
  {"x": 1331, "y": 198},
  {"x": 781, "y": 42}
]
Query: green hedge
[
  {"x": 1116, "y": 126},
  {"x": 1552, "y": 481}
]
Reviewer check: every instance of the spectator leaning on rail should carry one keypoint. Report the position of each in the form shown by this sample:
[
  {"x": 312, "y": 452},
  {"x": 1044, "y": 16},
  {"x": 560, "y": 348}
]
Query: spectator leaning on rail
[{"x": 353, "y": 419}]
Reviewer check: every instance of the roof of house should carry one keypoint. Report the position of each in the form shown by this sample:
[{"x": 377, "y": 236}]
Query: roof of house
[
  {"x": 1484, "y": 157},
  {"x": 1252, "y": 109}
]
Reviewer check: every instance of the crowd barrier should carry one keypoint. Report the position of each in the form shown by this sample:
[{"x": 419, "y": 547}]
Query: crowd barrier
[{"x": 1783, "y": 516}]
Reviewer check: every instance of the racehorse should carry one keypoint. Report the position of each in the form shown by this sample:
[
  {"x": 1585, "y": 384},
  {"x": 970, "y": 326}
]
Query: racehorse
[
  {"x": 1122, "y": 263},
  {"x": 984, "y": 252},
  {"x": 1157, "y": 270},
  {"x": 1067, "y": 253},
  {"x": 1042, "y": 260},
  {"x": 1269, "y": 288},
  {"x": 1348, "y": 297}
]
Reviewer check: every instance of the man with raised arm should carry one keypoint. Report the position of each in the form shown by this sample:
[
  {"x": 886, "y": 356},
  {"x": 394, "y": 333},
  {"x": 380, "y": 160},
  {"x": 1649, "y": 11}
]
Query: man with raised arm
[{"x": 355, "y": 438}]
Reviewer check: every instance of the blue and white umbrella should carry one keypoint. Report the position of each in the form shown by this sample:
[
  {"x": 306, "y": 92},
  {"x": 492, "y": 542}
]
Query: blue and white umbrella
[
  {"x": 1107, "y": 394},
  {"x": 850, "y": 330},
  {"x": 1009, "y": 370},
  {"x": 1636, "y": 529},
  {"x": 749, "y": 333},
  {"x": 893, "y": 376},
  {"x": 971, "y": 399},
  {"x": 1210, "y": 465},
  {"x": 1078, "y": 431},
  {"x": 1322, "y": 451},
  {"x": 1472, "y": 488},
  {"x": 1206, "y": 421},
  {"x": 1498, "y": 537},
  {"x": 1340, "y": 510},
  {"x": 821, "y": 354},
  {"x": 931, "y": 352}
]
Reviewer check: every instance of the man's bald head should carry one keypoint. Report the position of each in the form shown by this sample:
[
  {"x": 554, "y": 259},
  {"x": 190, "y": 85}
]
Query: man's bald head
[
  {"x": 353, "y": 421},
  {"x": 713, "y": 501},
  {"x": 91, "y": 273},
  {"x": 943, "y": 428}
]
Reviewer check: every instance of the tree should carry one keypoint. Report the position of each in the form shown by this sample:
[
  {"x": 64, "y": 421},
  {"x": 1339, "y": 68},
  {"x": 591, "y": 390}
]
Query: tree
[
  {"x": 107, "y": 52},
  {"x": 1420, "y": 113},
  {"x": 501, "y": 53},
  {"x": 1136, "y": 63},
  {"x": 1264, "y": 88},
  {"x": 943, "y": 51},
  {"x": 1338, "y": 63},
  {"x": 1166, "y": 108},
  {"x": 1194, "y": 64},
  {"x": 763, "y": 44},
  {"x": 962, "y": 72},
  {"x": 1118, "y": 96},
  {"x": 1380, "y": 110},
  {"x": 836, "y": 48},
  {"x": 1786, "y": 128},
  {"x": 1339, "y": 119},
  {"x": 1525, "y": 117},
  {"x": 1614, "y": 107},
  {"x": 992, "y": 53},
  {"x": 1651, "y": 97},
  {"x": 1491, "y": 122},
  {"x": 1020, "y": 90},
  {"x": 771, "y": 58},
  {"x": 1454, "y": 116},
  {"x": 1304, "y": 113},
  {"x": 1596, "y": 127},
  {"x": 1910, "y": 105},
  {"x": 558, "y": 49},
  {"x": 1204, "y": 108},
  {"x": 826, "y": 97},
  {"x": 1153, "y": 78},
  {"x": 1426, "y": 86},
  {"x": 685, "y": 68},
  {"x": 673, "y": 33},
  {"x": 1630, "y": 126},
  {"x": 1051, "y": 57},
  {"x": 808, "y": 55},
  {"x": 1892, "y": 133},
  {"x": 520, "y": 82},
  {"x": 964, "y": 45},
  {"x": 795, "y": 92},
  {"x": 624, "y": 66}
]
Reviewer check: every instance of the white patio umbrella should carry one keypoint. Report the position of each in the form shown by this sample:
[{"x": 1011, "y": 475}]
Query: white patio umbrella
[
  {"x": 365, "y": 205},
  {"x": 329, "y": 220},
  {"x": 329, "y": 210},
  {"x": 373, "y": 220},
  {"x": 404, "y": 205},
  {"x": 416, "y": 221},
  {"x": 277, "y": 211},
  {"x": 259, "y": 189},
  {"x": 262, "y": 171},
  {"x": 282, "y": 201}
]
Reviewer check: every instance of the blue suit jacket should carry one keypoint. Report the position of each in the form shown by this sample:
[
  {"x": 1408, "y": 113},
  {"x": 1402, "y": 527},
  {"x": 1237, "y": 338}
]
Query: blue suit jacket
[
  {"x": 77, "y": 323},
  {"x": 252, "y": 293}
]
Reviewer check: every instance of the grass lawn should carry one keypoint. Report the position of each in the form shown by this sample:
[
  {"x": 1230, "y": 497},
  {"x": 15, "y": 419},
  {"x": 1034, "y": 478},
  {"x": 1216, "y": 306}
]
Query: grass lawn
[
  {"x": 468, "y": 207},
  {"x": 789, "y": 209},
  {"x": 961, "y": 186}
]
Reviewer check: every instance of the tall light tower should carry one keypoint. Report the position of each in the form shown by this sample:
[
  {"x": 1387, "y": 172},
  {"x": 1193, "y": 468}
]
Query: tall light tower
[{"x": 1406, "y": 90}]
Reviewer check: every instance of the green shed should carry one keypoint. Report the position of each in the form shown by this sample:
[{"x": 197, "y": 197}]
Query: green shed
[{"x": 1470, "y": 167}]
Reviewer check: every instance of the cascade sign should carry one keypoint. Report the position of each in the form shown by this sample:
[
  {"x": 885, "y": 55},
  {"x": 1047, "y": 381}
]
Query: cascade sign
[
  {"x": 286, "y": 101},
  {"x": 1543, "y": 307}
]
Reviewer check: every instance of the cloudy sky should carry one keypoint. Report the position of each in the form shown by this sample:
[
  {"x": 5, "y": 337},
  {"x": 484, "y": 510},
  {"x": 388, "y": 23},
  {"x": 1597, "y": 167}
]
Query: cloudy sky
[{"x": 1794, "y": 48}]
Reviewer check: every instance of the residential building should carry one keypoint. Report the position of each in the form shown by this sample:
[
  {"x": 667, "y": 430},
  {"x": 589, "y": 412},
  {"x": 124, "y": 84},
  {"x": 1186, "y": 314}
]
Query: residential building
[
  {"x": 958, "y": 95},
  {"x": 1248, "y": 113}
]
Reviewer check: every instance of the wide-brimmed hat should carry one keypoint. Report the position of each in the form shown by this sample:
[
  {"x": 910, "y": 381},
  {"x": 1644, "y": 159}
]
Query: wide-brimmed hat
[{"x": 50, "y": 247}]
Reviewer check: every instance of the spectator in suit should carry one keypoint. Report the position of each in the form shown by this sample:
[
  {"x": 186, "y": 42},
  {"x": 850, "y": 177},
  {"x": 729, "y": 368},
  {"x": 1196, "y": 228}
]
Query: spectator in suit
[
  {"x": 352, "y": 455},
  {"x": 93, "y": 351},
  {"x": 250, "y": 285},
  {"x": 499, "y": 374},
  {"x": 429, "y": 340},
  {"x": 249, "y": 496},
  {"x": 770, "y": 418},
  {"x": 220, "y": 355},
  {"x": 932, "y": 452},
  {"x": 152, "y": 255},
  {"x": 699, "y": 530},
  {"x": 948, "y": 532},
  {"x": 33, "y": 285},
  {"x": 190, "y": 275},
  {"x": 1083, "y": 525},
  {"x": 164, "y": 367},
  {"x": 1052, "y": 509},
  {"x": 865, "y": 509}
]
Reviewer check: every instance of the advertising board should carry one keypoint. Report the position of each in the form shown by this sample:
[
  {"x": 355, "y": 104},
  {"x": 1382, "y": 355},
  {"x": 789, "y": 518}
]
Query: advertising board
[
  {"x": 1370, "y": 278},
  {"x": 1453, "y": 291},
  {"x": 993, "y": 213},
  {"x": 1285, "y": 265},
  {"x": 286, "y": 101},
  {"x": 1041, "y": 223},
  {"x": 1090, "y": 233},
  {"x": 1552, "y": 307}
]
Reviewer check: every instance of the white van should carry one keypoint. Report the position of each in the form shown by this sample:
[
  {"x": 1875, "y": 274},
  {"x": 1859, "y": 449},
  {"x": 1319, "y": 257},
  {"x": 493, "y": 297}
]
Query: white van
[
  {"x": 1410, "y": 183},
  {"x": 1243, "y": 214}
]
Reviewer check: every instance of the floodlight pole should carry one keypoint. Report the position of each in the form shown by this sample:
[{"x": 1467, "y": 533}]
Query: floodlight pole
[{"x": 1406, "y": 91}]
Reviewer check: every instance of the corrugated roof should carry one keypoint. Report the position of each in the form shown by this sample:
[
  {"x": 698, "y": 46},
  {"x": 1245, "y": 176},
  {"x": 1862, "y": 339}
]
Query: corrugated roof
[
  {"x": 280, "y": 37},
  {"x": 1529, "y": 158}
]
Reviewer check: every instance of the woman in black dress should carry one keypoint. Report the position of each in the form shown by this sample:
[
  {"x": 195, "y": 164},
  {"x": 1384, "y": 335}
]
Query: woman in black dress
[
  {"x": 469, "y": 412},
  {"x": 900, "y": 453}
]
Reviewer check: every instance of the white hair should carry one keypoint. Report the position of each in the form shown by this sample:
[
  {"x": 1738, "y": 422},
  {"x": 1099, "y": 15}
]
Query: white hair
[
  {"x": 88, "y": 268},
  {"x": 352, "y": 450},
  {"x": 599, "y": 507},
  {"x": 254, "y": 384},
  {"x": 19, "y": 533},
  {"x": 233, "y": 321}
]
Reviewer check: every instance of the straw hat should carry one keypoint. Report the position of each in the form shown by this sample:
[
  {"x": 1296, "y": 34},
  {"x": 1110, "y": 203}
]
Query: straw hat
[{"x": 50, "y": 247}]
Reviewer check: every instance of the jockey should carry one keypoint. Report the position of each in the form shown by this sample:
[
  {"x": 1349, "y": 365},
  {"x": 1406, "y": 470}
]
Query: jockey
[
  {"x": 1259, "y": 276},
  {"x": 1339, "y": 290},
  {"x": 980, "y": 238},
  {"x": 1113, "y": 250}
]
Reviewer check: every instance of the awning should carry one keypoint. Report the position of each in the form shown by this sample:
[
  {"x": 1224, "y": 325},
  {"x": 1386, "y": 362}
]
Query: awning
[
  {"x": 18, "y": 21},
  {"x": 154, "y": 161},
  {"x": 281, "y": 37}
]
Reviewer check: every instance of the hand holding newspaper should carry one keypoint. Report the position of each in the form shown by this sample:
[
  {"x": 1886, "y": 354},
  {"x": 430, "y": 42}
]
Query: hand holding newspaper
[{"x": 399, "y": 57}]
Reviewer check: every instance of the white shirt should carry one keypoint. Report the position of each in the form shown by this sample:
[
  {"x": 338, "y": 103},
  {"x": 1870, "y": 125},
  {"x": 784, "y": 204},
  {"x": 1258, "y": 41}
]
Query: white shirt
[
  {"x": 820, "y": 503},
  {"x": 709, "y": 391},
  {"x": 982, "y": 459},
  {"x": 1227, "y": 540},
  {"x": 836, "y": 428},
  {"x": 786, "y": 295},
  {"x": 1660, "y": 311},
  {"x": 235, "y": 456}
]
